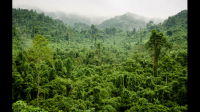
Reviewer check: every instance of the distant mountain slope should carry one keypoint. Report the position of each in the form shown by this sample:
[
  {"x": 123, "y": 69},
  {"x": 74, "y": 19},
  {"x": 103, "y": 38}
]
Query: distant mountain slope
[
  {"x": 127, "y": 22},
  {"x": 26, "y": 24},
  {"x": 71, "y": 19},
  {"x": 179, "y": 20},
  {"x": 175, "y": 28}
]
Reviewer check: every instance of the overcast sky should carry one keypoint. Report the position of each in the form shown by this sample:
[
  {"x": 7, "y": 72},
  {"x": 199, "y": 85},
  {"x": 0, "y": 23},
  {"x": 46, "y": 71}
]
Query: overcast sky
[{"x": 107, "y": 8}]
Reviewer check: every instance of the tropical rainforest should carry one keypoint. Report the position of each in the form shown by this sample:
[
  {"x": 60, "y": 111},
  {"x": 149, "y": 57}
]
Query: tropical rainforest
[{"x": 85, "y": 68}]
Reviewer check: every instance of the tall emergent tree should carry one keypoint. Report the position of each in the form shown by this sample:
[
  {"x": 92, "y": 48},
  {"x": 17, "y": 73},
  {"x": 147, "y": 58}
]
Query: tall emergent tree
[
  {"x": 41, "y": 52},
  {"x": 140, "y": 39},
  {"x": 99, "y": 48},
  {"x": 167, "y": 64},
  {"x": 94, "y": 29},
  {"x": 94, "y": 33},
  {"x": 155, "y": 43},
  {"x": 94, "y": 36},
  {"x": 69, "y": 31},
  {"x": 113, "y": 30},
  {"x": 69, "y": 66}
]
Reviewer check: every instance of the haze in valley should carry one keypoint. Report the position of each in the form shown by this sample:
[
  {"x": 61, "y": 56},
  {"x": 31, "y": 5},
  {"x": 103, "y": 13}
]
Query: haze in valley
[{"x": 97, "y": 11}]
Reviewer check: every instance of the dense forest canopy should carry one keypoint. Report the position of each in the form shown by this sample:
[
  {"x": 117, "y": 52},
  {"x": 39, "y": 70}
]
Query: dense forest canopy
[{"x": 82, "y": 68}]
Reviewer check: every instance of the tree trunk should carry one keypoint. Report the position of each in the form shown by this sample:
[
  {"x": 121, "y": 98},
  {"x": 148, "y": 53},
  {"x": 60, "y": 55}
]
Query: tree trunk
[
  {"x": 155, "y": 64},
  {"x": 38, "y": 88}
]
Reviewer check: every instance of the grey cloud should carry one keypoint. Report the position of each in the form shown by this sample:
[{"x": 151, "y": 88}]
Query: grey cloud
[{"x": 107, "y": 8}]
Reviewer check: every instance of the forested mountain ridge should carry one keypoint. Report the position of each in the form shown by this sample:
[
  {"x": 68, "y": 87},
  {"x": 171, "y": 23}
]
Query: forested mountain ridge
[
  {"x": 97, "y": 69},
  {"x": 75, "y": 18},
  {"x": 71, "y": 18},
  {"x": 179, "y": 21},
  {"x": 127, "y": 22}
]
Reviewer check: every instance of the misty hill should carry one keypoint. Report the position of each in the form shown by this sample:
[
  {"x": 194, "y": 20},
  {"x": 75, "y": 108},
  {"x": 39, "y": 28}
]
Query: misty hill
[
  {"x": 175, "y": 28},
  {"x": 29, "y": 22},
  {"x": 72, "y": 18},
  {"x": 125, "y": 22},
  {"x": 128, "y": 22},
  {"x": 175, "y": 25},
  {"x": 179, "y": 21}
]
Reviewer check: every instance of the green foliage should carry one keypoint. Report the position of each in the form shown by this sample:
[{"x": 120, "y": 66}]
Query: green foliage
[
  {"x": 58, "y": 67},
  {"x": 21, "y": 106},
  {"x": 108, "y": 108},
  {"x": 69, "y": 33},
  {"x": 52, "y": 74},
  {"x": 182, "y": 58},
  {"x": 169, "y": 33},
  {"x": 41, "y": 51},
  {"x": 176, "y": 20},
  {"x": 155, "y": 43},
  {"x": 69, "y": 65},
  {"x": 115, "y": 75}
]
